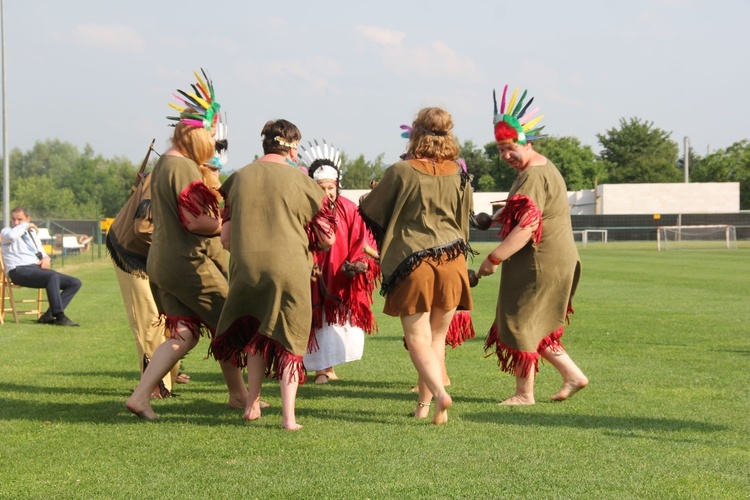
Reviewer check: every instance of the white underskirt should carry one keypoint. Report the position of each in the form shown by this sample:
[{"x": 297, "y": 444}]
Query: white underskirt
[{"x": 337, "y": 344}]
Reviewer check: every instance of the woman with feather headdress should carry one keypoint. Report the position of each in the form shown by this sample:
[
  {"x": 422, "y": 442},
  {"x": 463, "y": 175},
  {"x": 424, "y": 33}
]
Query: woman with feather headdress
[
  {"x": 346, "y": 276},
  {"x": 187, "y": 265},
  {"x": 540, "y": 263}
]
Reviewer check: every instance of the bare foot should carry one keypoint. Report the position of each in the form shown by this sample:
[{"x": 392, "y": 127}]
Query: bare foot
[
  {"x": 291, "y": 425},
  {"x": 446, "y": 383},
  {"x": 422, "y": 410},
  {"x": 237, "y": 401},
  {"x": 569, "y": 388},
  {"x": 252, "y": 412},
  {"x": 321, "y": 379},
  {"x": 263, "y": 404},
  {"x": 519, "y": 399},
  {"x": 442, "y": 403},
  {"x": 182, "y": 378},
  {"x": 331, "y": 375},
  {"x": 143, "y": 411}
]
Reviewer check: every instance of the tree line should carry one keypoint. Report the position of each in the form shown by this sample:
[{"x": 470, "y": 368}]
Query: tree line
[{"x": 56, "y": 180}]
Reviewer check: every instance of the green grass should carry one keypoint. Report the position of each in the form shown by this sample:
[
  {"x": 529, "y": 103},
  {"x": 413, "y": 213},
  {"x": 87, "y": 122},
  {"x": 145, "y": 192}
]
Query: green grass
[{"x": 663, "y": 336}]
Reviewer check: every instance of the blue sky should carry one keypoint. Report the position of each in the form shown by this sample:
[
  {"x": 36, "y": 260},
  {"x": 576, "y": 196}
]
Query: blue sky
[{"x": 101, "y": 72}]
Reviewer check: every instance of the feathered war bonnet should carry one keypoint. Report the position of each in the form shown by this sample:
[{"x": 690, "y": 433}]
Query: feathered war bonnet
[
  {"x": 199, "y": 107},
  {"x": 324, "y": 161},
  {"x": 515, "y": 123}
]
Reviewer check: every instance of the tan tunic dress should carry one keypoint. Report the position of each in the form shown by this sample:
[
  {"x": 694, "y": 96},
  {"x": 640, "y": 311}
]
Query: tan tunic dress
[
  {"x": 187, "y": 271},
  {"x": 269, "y": 307},
  {"x": 538, "y": 282},
  {"x": 419, "y": 213}
]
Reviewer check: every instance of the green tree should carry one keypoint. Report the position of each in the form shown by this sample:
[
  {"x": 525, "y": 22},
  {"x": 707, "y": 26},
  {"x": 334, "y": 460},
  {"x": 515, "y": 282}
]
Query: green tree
[
  {"x": 357, "y": 174},
  {"x": 483, "y": 172},
  {"x": 503, "y": 173},
  {"x": 578, "y": 164},
  {"x": 638, "y": 152},
  {"x": 43, "y": 198},
  {"x": 727, "y": 165}
]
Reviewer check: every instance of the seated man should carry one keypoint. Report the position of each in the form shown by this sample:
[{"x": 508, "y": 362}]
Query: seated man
[{"x": 28, "y": 265}]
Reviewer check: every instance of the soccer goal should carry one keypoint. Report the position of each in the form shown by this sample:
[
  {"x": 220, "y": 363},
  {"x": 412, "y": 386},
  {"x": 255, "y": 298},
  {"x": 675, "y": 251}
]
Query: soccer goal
[{"x": 718, "y": 236}]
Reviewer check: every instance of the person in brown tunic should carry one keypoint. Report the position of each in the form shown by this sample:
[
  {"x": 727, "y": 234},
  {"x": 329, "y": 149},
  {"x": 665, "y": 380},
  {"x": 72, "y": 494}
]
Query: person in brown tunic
[
  {"x": 272, "y": 221},
  {"x": 186, "y": 264},
  {"x": 540, "y": 264},
  {"x": 419, "y": 215}
]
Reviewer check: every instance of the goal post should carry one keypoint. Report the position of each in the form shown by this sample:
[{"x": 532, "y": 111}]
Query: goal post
[{"x": 699, "y": 237}]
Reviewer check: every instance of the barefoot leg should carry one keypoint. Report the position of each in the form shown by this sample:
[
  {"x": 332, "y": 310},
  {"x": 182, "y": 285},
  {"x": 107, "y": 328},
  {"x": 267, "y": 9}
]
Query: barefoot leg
[
  {"x": 164, "y": 358},
  {"x": 235, "y": 385},
  {"x": 422, "y": 331},
  {"x": 524, "y": 390},
  {"x": 424, "y": 400},
  {"x": 255, "y": 371},
  {"x": 289, "y": 384},
  {"x": 573, "y": 378}
]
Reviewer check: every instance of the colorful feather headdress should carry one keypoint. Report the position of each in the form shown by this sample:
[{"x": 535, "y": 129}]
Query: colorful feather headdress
[
  {"x": 324, "y": 161},
  {"x": 514, "y": 122},
  {"x": 199, "y": 107}
]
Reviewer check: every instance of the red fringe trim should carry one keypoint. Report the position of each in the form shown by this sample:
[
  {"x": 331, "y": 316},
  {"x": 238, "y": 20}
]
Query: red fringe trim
[
  {"x": 193, "y": 323},
  {"x": 520, "y": 210},
  {"x": 197, "y": 199},
  {"x": 324, "y": 214},
  {"x": 460, "y": 330},
  {"x": 519, "y": 362},
  {"x": 243, "y": 339}
]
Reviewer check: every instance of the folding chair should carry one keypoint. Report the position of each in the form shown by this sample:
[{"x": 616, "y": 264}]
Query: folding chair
[{"x": 18, "y": 305}]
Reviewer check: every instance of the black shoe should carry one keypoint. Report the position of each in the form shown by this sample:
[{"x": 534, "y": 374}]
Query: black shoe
[
  {"x": 63, "y": 320},
  {"x": 46, "y": 318}
]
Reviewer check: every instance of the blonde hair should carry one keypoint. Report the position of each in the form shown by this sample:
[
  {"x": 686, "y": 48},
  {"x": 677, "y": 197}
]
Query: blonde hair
[
  {"x": 193, "y": 142},
  {"x": 432, "y": 136}
]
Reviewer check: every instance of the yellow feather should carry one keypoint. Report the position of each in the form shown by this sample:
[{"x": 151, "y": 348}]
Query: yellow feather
[
  {"x": 175, "y": 106},
  {"x": 202, "y": 84},
  {"x": 512, "y": 102},
  {"x": 200, "y": 101},
  {"x": 530, "y": 124}
]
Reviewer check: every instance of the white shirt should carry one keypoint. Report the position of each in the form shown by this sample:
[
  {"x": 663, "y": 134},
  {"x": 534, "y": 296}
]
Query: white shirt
[{"x": 20, "y": 251}]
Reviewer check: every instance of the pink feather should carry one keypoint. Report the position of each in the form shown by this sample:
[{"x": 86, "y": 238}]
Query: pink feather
[{"x": 502, "y": 101}]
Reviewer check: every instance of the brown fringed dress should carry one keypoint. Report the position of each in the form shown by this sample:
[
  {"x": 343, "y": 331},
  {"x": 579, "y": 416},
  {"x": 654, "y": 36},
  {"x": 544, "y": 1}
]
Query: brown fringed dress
[
  {"x": 188, "y": 272},
  {"x": 272, "y": 208},
  {"x": 419, "y": 214},
  {"x": 538, "y": 282}
]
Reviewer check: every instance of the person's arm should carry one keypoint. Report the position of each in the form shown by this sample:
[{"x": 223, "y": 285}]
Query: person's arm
[
  {"x": 10, "y": 234},
  {"x": 516, "y": 240},
  {"x": 326, "y": 236},
  {"x": 203, "y": 224},
  {"x": 226, "y": 233}
]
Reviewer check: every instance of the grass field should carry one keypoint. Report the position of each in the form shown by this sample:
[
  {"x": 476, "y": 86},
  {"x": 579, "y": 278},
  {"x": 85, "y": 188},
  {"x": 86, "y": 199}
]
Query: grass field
[{"x": 664, "y": 338}]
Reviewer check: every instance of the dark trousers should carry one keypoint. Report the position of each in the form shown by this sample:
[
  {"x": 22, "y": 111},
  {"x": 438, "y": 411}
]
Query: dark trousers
[{"x": 61, "y": 288}]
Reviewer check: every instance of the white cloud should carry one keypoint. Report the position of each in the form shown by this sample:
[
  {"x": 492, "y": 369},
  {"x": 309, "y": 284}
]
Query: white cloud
[
  {"x": 436, "y": 58},
  {"x": 381, "y": 36},
  {"x": 119, "y": 38}
]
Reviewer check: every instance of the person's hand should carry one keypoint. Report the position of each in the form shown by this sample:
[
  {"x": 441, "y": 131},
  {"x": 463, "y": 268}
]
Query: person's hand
[
  {"x": 45, "y": 263},
  {"x": 487, "y": 268},
  {"x": 33, "y": 227},
  {"x": 353, "y": 268}
]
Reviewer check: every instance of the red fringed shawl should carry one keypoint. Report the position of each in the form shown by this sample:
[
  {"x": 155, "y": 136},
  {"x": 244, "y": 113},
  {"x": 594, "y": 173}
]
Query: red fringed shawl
[{"x": 340, "y": 297}]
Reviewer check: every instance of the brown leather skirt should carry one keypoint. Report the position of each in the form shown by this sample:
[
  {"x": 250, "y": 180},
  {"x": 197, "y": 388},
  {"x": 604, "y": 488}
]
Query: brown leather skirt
[{"x": 430, "y": 285}]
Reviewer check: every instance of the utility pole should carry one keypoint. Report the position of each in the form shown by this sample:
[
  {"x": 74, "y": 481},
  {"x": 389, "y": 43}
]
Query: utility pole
[
  {"x": 686, "y": 161},
  {"x": 6, "y": 164}
]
